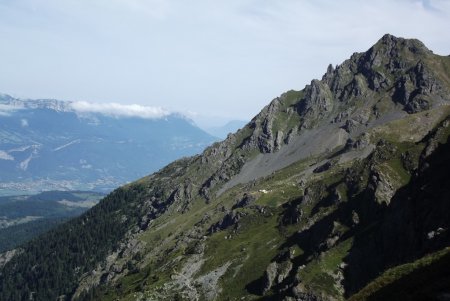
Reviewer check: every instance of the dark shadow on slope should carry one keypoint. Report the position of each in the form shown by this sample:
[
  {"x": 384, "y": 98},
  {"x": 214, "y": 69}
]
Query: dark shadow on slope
[
  {"x": 331, "y": 199},
  {"x": 410, "y": 226},
  {"x": 431, "y": 282},
  {"x": 313, "y": 240},
  {"x": 385, "y": 236}
]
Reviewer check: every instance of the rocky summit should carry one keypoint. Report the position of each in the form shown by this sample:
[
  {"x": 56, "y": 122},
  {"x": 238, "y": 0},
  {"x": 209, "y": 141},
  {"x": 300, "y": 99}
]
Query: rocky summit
[{"x": 337, "y": 191}]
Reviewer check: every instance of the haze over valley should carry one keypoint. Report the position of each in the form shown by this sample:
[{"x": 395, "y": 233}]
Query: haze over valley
[{"x": 236, "y": 150}]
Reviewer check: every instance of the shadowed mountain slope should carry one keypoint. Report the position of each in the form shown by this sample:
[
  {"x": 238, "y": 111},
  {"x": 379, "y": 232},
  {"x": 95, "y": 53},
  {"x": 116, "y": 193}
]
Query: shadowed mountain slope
[{"x": 324, "y": 190}]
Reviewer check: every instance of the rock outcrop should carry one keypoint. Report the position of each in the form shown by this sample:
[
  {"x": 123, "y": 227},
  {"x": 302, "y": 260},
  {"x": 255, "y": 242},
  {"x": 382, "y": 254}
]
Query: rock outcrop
[{"x": 300, "y": 204}]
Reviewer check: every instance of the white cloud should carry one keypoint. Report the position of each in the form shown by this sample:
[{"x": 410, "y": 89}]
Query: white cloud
[
  {"x": 8, "y": 108},
  {"x": 5, "y": 156},
  {"x": 227, "y": 58},
  {"x": 24, "y": 122},
  {"x": 120, "y": 110}
]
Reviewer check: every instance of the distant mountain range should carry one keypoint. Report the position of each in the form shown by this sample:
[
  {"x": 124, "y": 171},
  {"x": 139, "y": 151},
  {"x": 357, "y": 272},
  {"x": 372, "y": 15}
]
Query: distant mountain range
[
  {"x": 56, "y": 145},
  {"x": 338, "y": 191},
  {"x": 228, "y": 128}
]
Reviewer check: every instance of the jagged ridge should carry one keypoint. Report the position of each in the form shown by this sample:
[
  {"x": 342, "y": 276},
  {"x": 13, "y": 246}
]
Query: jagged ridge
[{"x": 321, "y": 164}]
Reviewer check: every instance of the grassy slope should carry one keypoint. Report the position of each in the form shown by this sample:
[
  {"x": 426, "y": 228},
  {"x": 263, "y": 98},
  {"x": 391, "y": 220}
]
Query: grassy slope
[
  {"x": 418, "y": 280},
  {"x": 170, "y": 239},
  {"x": 260, "y": 237}
]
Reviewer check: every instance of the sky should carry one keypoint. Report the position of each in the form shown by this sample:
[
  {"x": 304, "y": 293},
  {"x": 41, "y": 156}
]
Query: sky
[{"x": 212, "y": 60}]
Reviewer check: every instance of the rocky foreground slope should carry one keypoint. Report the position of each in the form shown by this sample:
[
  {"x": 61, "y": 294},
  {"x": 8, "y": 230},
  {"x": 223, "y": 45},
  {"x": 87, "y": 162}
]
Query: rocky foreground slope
[{"x": 340, "y": 190}]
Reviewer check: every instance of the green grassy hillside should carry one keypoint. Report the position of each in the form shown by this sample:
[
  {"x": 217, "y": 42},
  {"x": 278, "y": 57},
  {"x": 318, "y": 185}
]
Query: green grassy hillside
[{"x": 336, "y": 191}]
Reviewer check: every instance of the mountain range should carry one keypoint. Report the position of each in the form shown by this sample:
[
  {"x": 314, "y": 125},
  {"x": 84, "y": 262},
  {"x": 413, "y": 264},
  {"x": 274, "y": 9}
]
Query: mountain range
[
  {"x": 53, "y": 145},
  {"x": 228, "y": 128},
  {"x": 336, "y": 191}
]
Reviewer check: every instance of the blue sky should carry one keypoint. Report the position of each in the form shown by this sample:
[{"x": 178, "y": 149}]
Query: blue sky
[{"x": 212, "y": 60}]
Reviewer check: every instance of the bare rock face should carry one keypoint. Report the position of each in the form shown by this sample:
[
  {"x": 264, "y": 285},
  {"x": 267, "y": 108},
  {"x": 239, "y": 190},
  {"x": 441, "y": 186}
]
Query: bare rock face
[
  {"x": 275, "y": 274},
  {"x": 230, "y": 167},
  {"x": 265, "y": 140},
  {"x": 433, "y": 144},
  {"x": 291, "y": 133},
  {"x": 392, "y": 62},
  {"x": 350, "y": 126},
  {"x": 300, "y": 293},
  {"x": 292, "y": 213},
  {"x": 383, "y": 188},
  {"x": 312, "y": 194},
  {"x": 279, "y": 140},
  {"x": 387, "y": 54},
  {"x": 333, "y": 194},
  {"x": 7, "y": 256},
  {"x": 269, "y": 277},
  {"x": 361, "y": 142},
  {"x": 246, "y": 200},
  {"x": 324, "y": 167},
  {"x": 263, "y": 137},
  {"x": 403, "y": 90},
  {"x": 317, "y": 103},
  {"x": 415, "y": 89},
  {"x": 181, "y": 196},
  {"x": 230, "y": 219}
]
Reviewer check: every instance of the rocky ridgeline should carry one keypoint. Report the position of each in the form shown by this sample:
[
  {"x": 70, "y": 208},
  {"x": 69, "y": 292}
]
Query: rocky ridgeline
[
  {"x": 52, "y": 104},
  {"x": 394, "y": 66},
  {"x": 395, "y": 70},
  {"x": 337, "y": 204}
]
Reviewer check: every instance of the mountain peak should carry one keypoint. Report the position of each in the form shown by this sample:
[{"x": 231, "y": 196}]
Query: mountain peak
[
  {"x": 390, "y": 42},
  {"x": 391, "y": 54},
  {"x": 326, "y": 179}
]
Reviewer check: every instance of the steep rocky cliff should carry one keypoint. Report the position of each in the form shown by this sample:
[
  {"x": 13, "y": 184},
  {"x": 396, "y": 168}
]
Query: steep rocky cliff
[{"x": 322, "y": 192}]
